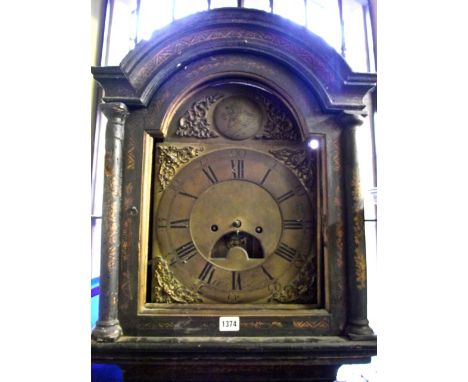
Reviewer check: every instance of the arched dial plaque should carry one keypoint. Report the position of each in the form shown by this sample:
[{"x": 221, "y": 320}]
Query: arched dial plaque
[{"x": 238, "y": 117}]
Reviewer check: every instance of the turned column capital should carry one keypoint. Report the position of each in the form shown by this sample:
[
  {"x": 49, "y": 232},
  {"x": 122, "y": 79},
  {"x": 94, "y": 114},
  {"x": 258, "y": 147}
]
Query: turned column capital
[{"x": 115, "y": 111}]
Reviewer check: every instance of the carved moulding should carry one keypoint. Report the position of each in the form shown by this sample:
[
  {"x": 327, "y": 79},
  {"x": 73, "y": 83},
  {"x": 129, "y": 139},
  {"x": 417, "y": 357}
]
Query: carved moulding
[
  {"x": 278, "y": 125},
  {"x": 194, "y": 122},
  {"x": 167, "y": 289},
  {"x": 301, "y": 162},
  {"x": 170, "y": 158}
]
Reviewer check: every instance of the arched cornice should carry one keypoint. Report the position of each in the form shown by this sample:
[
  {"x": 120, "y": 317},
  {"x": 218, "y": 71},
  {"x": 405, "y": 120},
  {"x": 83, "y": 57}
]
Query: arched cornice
[{"x": 146, "y": 67}]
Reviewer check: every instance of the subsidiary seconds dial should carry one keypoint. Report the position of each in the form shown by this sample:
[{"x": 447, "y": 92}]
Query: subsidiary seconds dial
[{"x": 232, "y": 225}]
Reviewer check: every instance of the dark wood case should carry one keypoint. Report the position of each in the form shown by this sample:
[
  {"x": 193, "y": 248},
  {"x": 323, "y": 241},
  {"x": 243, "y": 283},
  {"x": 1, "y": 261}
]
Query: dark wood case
[{"x": 145, "y": 98}]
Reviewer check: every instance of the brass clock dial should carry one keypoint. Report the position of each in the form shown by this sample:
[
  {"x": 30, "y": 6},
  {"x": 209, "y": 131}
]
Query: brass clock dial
[{"x": 235, "y": 226}]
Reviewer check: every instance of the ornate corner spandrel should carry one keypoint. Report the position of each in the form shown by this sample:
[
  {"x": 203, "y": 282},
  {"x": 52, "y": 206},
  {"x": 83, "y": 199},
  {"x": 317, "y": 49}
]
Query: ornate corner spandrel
[
  {"x": 303, "y": 289},
  {"x": 301, "y": 162},
  {"x": 194, "y": 123},
  {"x": 278, "y": 124},
  {"x": 167, "y": 289},
  {"x": 170, "y": 158}
]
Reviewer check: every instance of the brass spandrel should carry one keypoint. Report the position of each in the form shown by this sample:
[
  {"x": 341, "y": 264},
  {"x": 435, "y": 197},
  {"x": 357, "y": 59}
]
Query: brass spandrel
[
  {"x": 167, "y": 289},
  {"x": 194, "y": 122},
  {"x": 278, "y": 124},
  {"x": 301, "y": 161},
  {"x": 171, "y": 158},
  {"x": 300, "y": 290}
]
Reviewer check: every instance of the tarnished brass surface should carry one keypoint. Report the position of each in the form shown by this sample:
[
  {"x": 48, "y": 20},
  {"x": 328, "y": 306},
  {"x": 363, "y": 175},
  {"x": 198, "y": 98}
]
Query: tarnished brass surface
[
  {"x": 170, "y": 158},
  {"x": 278, "y": 124},
  {"x": 238, "y": 118},
  {"x": 302, "y": 286},
  {"x": 233, "y": 112},
  {"x": 238, "y": 208},
  {"x": 166, "y": 288},
  {"x": 302, "y": 162},
  {"x": 194, "y": 122},
  {"x": 237, "y": 226}
]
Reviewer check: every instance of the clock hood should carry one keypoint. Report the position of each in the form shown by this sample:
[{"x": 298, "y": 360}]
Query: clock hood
[{"x": 235, "y": 30}]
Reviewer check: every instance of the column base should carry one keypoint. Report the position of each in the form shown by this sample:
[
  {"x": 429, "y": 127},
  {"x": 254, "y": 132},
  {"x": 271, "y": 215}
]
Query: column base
[
  {"x": 360, "y": 331},
  {"x": 107, "y": 331}
]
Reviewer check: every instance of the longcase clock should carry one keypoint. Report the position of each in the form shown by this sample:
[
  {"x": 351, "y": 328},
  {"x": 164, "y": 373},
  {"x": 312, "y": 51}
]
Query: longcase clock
[{"x": 233, "y": 234}]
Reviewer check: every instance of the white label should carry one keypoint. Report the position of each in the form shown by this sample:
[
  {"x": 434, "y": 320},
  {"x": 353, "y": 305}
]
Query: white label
[{"x": 229, "y": 324}]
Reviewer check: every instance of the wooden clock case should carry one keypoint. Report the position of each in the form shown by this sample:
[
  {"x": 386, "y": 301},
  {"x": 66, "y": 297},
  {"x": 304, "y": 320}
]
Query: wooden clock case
[{"x": 144, "y": 100}]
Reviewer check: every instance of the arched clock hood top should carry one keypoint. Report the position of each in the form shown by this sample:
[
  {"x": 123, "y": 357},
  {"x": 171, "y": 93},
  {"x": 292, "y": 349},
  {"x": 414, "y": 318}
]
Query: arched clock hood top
[{"x": 235, "y": 30}]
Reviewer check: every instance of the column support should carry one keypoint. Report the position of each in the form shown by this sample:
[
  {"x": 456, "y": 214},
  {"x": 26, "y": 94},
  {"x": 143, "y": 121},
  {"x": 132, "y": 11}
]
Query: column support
[
  {"x": 108, "y": 327},
  {"x": 357, "y": 327}
]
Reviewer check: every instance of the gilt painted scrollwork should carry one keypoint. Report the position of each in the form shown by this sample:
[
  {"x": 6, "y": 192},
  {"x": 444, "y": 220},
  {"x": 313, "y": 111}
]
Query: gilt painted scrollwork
[
  {"x": 167, "y": 289},
  {"x": 194, "y": 122},
  {"x": 278, "y": 124},
  {"x": 301, "y": 162},
  {"x": 358, "y": 224},
  {"x": 170, "y": 158}
]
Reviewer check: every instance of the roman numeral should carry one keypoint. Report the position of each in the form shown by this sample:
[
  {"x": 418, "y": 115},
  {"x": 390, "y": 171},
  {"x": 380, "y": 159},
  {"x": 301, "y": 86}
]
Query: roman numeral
[
  {"x": 187, "y": 195},
  {"x": 299, "y": 190},
  {"x": 267, "y": 273},
  {"x": 162, "y": 223},
  {"x": 286, "y": 252},
  {"x": 237, "y": 168},
  {"x": 176, "y": 184},
  {"x": 236, "y": 281},
  {"x": 184, "y": 223},
  {"x": 207, "y": 273},
  {"x": 265, "y": 176},
  {"x": 285, "y": 196},
  {"x": 208, "y": 171},
  {"x": 293, "y": 224},
  {"x": 173, "y": 261},
  {"x": 186, "y": 251}
]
